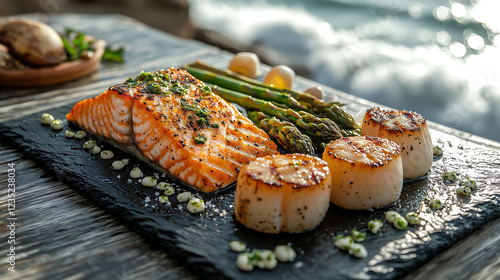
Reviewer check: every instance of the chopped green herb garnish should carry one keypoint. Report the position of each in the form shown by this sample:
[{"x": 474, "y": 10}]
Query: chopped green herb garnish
[
  {"x": 358, "y": 236},
  {"x": 449, "y": 176},
  {"x": 412, "y": 218},
  {"x": 469, "y": 183},
  {"x": 374, "y": 225},
  {"x": 178, "y": 89},
  {"x": 435, "y": 204},
  {"x": 74, "y": 42},
  {"x": 200, "y": 138},
  {"x": 437, "y": 151},
  {"x": 202, "y": 122},
  {"x": 154, "y": 88},
  {"x": 401, "y": 223},
  {"x": 202, "y": 112},
  {"x": 207, "y": 90},
  {"x": 255, "y": 256},
  {"x": 295, "y": 163},
  {"x": 343, "y": 242},
  {"x": 156, "y": 82},
  {"x": 194, "y": 107},
  {"x": 145, "y": 76}
]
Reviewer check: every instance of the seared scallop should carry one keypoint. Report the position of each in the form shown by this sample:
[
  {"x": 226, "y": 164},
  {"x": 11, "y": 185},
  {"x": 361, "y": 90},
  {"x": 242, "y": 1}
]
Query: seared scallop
[
  {"x": 409, "y": 130},
  {"x": 367, "y": 172},
  {"x": 283, "y": 193}
]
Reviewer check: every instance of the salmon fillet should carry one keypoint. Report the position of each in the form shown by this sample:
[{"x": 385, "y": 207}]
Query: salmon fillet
[{"x": 175, "y": 122}]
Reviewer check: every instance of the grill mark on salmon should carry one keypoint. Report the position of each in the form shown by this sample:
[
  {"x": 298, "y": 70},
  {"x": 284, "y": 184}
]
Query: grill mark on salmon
[{"x": 168, "y": 128}]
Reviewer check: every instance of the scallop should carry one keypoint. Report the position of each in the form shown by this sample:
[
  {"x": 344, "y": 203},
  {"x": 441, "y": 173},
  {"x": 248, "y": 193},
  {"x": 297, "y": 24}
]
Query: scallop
[
  {"x": 32, "y": 42},
  {"x": 409, "y": 130},
  {"x": 283, "y": 193},
  {"x": 366, "y": 172}
]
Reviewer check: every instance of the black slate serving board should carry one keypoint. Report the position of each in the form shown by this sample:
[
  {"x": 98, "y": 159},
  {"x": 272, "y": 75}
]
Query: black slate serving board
[{"x": 202, "y": 240}]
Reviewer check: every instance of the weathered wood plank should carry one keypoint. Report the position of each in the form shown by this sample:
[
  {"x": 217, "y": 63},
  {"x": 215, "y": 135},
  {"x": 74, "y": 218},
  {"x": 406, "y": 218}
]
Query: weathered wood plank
[{"x": 475, "y": 257}]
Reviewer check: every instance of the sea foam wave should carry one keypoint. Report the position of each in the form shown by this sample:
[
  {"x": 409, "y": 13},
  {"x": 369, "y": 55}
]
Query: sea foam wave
[{"x": 387, "y": 58}]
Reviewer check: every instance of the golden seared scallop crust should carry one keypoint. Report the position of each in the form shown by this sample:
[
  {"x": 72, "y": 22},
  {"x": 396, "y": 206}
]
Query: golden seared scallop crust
[
  {"x": 409, "y": 130},
  {"x": 283, "y": 193},
  {"x": 366, "y": 172}
]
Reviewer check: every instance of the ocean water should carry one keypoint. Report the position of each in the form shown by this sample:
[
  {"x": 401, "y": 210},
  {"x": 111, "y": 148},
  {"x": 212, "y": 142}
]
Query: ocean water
[{"x": 438, "y": 58}]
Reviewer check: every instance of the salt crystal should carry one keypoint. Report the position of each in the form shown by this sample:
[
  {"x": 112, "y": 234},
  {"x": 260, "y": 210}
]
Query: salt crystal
[{"x": 148, "y": 199}]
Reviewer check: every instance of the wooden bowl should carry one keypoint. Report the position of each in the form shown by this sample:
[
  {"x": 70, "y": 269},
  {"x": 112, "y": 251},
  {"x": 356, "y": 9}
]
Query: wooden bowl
[{"x": 57, "y": 74}]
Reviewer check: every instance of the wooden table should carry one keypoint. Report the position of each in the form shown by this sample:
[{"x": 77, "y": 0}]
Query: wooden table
[{"x": 61, "y": 235}]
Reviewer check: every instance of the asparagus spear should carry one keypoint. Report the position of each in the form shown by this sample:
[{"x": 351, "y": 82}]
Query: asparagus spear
[
  {"x": 233, "y": 75},
  {"x": 284, "y": 132},
  {"x": 332, "y": 110},
  {"x": 321, "y": 129},
  {"x": 228, "y": 73}
]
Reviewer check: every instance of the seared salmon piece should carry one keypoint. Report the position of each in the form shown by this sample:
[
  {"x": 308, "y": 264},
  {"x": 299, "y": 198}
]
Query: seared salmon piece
[{"x": 175, "y": 122}]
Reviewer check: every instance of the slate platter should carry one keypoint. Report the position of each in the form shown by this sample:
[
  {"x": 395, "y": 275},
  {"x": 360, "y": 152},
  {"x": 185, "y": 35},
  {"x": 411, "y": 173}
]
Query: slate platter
[{"x": 201, "y": 240}]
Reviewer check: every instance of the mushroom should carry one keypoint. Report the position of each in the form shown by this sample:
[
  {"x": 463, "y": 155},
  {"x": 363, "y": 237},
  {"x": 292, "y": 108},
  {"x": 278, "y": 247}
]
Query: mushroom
[{"x": 31, "y": 42}]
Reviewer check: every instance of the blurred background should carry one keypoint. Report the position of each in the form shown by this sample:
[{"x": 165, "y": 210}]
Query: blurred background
[{"x": 440, "y": 58}]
